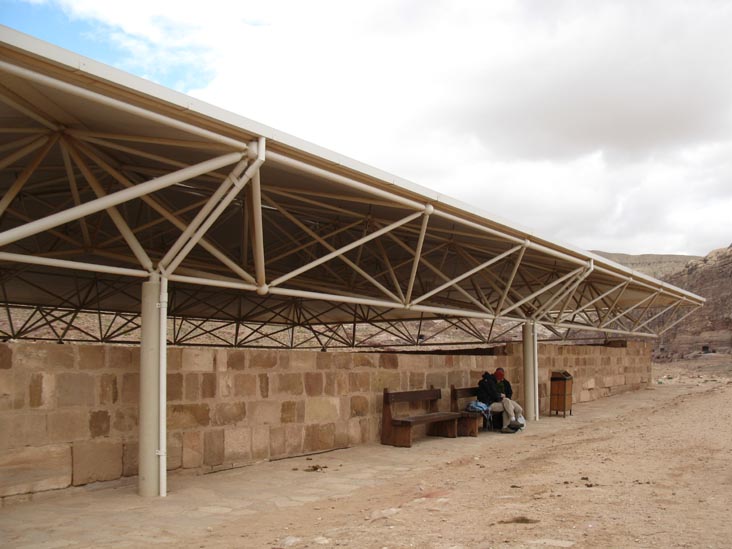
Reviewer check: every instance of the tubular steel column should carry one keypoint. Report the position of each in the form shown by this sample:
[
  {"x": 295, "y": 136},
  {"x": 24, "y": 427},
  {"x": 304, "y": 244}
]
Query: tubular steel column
[
  {"x": 149, "y": 479},
  {"x": 530, "y": 381}
]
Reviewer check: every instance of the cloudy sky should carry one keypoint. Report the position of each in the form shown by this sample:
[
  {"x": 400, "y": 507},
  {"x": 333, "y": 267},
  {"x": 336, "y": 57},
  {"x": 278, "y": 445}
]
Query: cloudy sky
[{"x": 605, "y": 125}]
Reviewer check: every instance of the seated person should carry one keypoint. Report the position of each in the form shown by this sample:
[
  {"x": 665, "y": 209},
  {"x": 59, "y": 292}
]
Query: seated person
[
  {"x": 503, "y": 386},
  {"x": 489, "y": 394}
]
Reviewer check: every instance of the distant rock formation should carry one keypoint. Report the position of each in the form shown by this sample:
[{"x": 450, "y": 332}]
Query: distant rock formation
[
  {"x": 655, "y": 265},
  {"x": 710, "y": 328}
]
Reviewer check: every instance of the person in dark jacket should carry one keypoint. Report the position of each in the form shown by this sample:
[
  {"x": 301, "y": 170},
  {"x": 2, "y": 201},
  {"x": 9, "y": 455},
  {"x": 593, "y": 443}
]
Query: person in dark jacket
[
  {"x": 489, "y": 394},
  {"x": 512, "y": 408}
]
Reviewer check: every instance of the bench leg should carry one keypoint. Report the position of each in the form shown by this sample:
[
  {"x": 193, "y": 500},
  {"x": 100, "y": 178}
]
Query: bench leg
[
  {"x": 402, "y": 436},
  {"x": 468, "y": 426},
  {"x": 448, "y": 428}
]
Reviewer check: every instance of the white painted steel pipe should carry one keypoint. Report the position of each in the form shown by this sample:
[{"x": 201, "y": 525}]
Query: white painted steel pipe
[
  {"x": 217, "y": 283},
  {"x": 537, "y": 409},
  {"x": 117, "y": 104},
  {"x": 66, "y": 264},
  {"x": 88, "y": 208},
  {"x": 163, "y": 392},
  {"x": 149, "y": 412},
  {"x": 527, "y": 332},
  {"x": 345, "y": 249},
  {"x": 239, "y": 183}
]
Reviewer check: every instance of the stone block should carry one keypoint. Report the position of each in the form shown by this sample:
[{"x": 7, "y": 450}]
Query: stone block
[
  {"x": 354, "y": 432},
  {"x": 386, "y": 379},
  {"x": 262, "y": 412},
  {"x": 130, "y": 459},
  {"x": 130, "y": 388},
  {"x": 174, "y": 360},
  {"x": 415, "y": 362},
  {"x": 213, "y": 447},
  {"x": 289, "y": 384},
  {"x": 174, "y": 451},
  {"x": 416, "y": 380},
  {"x": 336, "y": 383},
  {"x": 245, "y": 385},
  {"x": 388, "y": 361},
  {"x": 437, "y": 379},
  {"x": 359, "y": 406},
  {"x": 221, "y": 357},
  {"x": 341, "y": 435},
  {"x": 91, "y": 357},
  {"x": 174, "y": 387},
  {"x": 238, "y": 445},
  {"x": 288, "y": 412},
  {"x": 41, "y": 390},
  {"x": 365, "y": 360},
  {"x": 294, "y": 438},
  {"x": 260, "y": 442},
  {"x": 197, "y": 360},
  {"x": 277, "y": 446},
  {"x": 26, "y": 470},
  {"x": 359, "y": 382},
  {"x": 208, "y": 385},
  {"x": 303, "y": 361},
  {"x": 322, "y": 410},
  {"x": 313, "y": 383},
  {"x": 236, "y": 360},
  {"x": 6, "y": 356},
  {"x": 263, "y": 385},
  {"x": 74, "y": 389},
  {"x": 108, "y": 389},
  {"x": 192, "y": 449},
  {"x": 188, "y": 416},
  {"x": 225, "y": 384},
  {"x": 96, "y": 460},
  {"x": 458, "y": 378},
  {"x": 192, "y": 386},
  {"x": 43, "y": 356},
  {"x": 99, "y": 423},
  {"x": 123, "y": 357},
  {"x": 67, "y": 425},
  {"x": 7, "y": 388},
  {"x": 23, "y": 429},
  {"x": 229, "y": 413},
  {"x": 319, "y": 437},
  {"x": 125, "y": 419},
  {"x": 263, "y": 359},
  {"x": 324, "y": 361},
  {"x": 343, "y": 361}
]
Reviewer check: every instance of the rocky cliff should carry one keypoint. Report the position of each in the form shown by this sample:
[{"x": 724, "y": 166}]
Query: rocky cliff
[
  {"x": 709, "y": 329},
  {"x": 655, "y": 265}
]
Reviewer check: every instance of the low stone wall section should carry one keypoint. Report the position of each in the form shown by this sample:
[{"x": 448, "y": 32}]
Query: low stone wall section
[{"x": 69, "y": 413}]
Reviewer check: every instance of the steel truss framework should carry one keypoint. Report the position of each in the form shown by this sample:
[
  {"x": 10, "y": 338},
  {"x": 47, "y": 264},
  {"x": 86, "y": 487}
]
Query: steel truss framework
[{"x": 264, "y": 240}]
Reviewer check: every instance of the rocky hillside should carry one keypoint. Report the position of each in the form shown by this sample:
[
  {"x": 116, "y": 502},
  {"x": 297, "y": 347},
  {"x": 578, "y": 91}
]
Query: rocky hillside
[
  {"x": 711, "y": 327},
  {"x": 655, "y": 265}
]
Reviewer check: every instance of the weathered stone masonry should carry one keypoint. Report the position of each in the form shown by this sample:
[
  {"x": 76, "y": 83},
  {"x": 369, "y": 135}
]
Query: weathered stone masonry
[{"x": 68, "y": 413}]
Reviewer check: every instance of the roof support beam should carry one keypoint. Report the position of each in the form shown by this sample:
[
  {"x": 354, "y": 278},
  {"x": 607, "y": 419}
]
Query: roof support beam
[{"x": 94, "y": 206}]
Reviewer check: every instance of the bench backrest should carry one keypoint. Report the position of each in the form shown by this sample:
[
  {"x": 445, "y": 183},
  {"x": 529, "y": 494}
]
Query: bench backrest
[
  {"x": 412, "y": 396},
  {"x": 458, "y": 393}
]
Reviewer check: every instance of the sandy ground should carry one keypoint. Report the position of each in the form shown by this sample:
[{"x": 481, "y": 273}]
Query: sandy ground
[{"x": 651, "y": 468}]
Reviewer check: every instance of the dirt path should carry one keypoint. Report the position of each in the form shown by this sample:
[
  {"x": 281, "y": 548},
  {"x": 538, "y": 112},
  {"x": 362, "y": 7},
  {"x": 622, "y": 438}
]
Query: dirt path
[{"x": 653, "y": 471}]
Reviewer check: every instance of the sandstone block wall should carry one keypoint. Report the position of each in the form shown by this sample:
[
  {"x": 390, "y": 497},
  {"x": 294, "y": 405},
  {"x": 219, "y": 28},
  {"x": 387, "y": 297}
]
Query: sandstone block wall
[{"x": 69, "y": 413}]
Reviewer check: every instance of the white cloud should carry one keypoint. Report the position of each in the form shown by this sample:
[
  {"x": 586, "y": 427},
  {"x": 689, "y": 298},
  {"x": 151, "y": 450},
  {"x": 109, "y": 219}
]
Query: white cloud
[{"x": 604, "y": 124}]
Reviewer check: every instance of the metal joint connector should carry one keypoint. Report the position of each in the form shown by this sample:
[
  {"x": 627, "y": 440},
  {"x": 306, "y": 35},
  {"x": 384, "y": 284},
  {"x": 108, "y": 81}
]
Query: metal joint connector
[{"x": 161, "y": 453}]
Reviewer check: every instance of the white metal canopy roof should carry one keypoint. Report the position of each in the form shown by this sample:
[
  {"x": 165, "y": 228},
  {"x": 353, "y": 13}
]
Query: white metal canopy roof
[{"x": 266, "y": 239}]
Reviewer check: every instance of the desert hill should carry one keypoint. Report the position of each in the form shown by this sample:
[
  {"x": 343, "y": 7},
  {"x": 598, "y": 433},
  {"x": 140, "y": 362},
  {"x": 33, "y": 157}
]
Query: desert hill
[
  {"x": 710, "y": 328},
  {"x": 655, "y": 265}
]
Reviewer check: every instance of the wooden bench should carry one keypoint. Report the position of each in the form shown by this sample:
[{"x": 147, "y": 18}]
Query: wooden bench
[
  {"x": 469, "y": 422},
  {"x": 397, "y": 431}
]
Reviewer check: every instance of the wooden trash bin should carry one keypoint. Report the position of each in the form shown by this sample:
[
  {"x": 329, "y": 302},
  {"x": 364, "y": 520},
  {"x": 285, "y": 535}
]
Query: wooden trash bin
[{"x": 561, "y": 393}]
